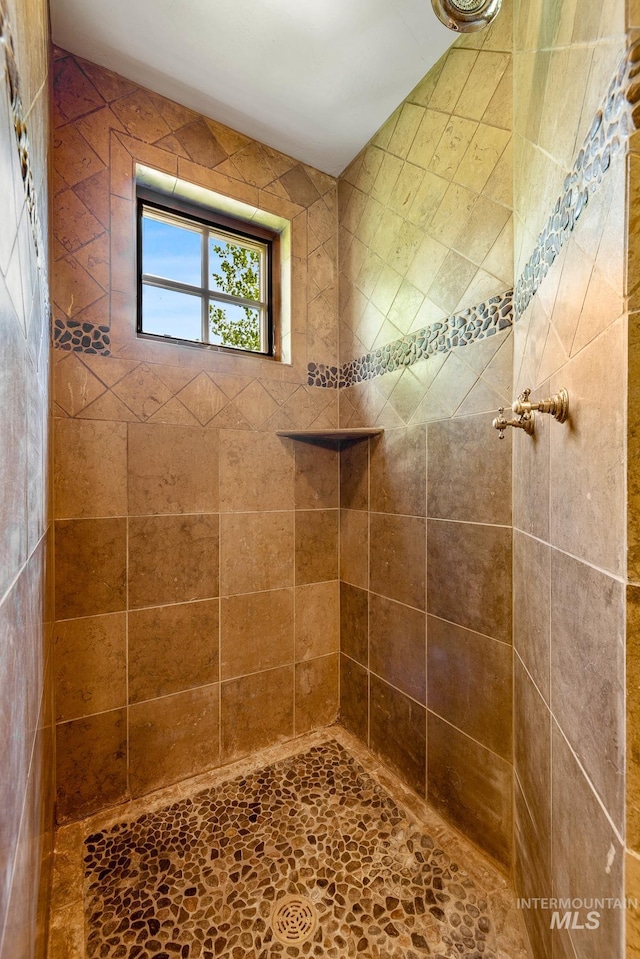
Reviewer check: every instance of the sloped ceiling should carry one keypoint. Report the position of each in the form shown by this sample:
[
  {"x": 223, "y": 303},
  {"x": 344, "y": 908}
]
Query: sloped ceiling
[{"x": 315, "y": 80}]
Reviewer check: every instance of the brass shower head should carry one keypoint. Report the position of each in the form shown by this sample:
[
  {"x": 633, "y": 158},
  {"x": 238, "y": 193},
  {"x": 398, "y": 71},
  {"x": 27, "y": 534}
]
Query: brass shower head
[{"x": 466, "y": 16}]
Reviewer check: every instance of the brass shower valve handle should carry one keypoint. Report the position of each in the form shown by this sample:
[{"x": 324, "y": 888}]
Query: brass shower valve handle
[
  {"x": 557, "y": 405},
  {"x": 525, "y": 422}
]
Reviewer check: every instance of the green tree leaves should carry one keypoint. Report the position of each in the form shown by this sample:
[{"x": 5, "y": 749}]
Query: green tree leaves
[{"x": 239, "y": 276}]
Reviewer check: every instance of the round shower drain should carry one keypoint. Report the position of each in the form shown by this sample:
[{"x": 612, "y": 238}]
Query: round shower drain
[{"x": 294, "y": 920}]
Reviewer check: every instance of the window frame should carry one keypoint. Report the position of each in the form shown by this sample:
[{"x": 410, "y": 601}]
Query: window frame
[{"x": 178, "y": 209}]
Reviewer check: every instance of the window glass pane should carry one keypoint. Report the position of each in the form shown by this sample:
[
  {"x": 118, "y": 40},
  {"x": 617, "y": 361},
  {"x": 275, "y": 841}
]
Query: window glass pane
[
  {"x": 168, "y": 313},
  {"x": 172, "y": 252},
  {"x": 234, "y": 269},
  {"x": 233, "y": 325}
]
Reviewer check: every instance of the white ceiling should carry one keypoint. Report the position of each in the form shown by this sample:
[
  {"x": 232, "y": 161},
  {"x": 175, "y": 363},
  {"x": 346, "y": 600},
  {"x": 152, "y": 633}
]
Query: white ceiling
[{"x": 313, "y": 79}]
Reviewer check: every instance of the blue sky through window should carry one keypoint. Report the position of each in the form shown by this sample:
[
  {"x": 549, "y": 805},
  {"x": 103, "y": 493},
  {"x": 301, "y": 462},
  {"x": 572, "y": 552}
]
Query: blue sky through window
[
  {"x": 169, "y": 313},
  {"x": 174, "y": 254},
  {"x": 171, "y": 251}
]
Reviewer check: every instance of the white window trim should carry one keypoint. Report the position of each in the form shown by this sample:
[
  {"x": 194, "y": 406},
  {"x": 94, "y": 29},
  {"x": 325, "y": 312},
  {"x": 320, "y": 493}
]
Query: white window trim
[{"x": 166, "y": 185}]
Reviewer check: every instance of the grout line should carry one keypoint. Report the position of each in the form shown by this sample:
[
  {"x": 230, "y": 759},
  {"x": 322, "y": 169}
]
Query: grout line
[
  {"x": 471, "y": 738},
  {"x": 467, "y": 629},
  {"x": 618, "y": 577},
  {"x": 593, "y": 789},
  {"x": 533, "y": 682},
  {"x": 467, "y": 522}
]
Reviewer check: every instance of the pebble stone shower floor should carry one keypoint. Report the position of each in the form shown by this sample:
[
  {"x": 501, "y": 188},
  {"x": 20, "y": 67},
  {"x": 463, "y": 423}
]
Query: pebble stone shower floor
[{"x": 316, "y": 854}]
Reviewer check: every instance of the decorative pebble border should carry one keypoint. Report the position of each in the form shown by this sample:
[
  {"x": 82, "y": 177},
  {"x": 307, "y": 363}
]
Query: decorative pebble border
[
  {"x": 200, "y": 879},
  {"x": 82, "y": 337},
  {"x": 612, "y": 124},
  {"x": 469, "y": 326},
  {"x": 610, "y": 129}
]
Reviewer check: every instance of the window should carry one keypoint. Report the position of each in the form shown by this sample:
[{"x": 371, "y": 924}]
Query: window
[{"x": 204, "y": 278}]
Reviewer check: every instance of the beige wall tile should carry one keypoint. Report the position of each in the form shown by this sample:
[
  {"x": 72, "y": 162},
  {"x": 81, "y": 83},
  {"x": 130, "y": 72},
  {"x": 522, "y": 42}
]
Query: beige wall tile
[
  {"x": 532, "y": 874},
  {"x": 482, "y": 82},
  {"x": 452, "y": 147},
  {"x": 531, "y": 603},
  {"x": 590, "y": 522},
  {"x": 633, "y": 440},
  {"x": 172, "y": 469},
  {"x": 458, "y": 449},
  {"x": 397, "y": 558},
  {"x": 451, "y": 282},
  {"x": 632, "y": 890},
  {"x": 354, "y": 475},
  {"x": 457, "y": 67},
  {"x": 13, "y": 465},
  {"x": 75, "y": 386},
  {"x": 317, "y": 620},
  {"x": 257, "y": 711},
  {"x": 532, "y": 475},
  {"x": 316, "y": 553},
  {"x": 172, "y": 559},
  {"x": 90, "y": 568},
  {"x": 578, "y": 865},
  {"x": 172, "y": 648},
  {"x": 469, "y": 576},
  {"x": 532, "y": 757},
  {"x": 398, "y": 733},
  {"x": 256, "y": 551},
  {"x": 91, "y": 764},
  {"x": 354, "y": 698},
  {"x": 354, "y": 623},
  {"x": 90, "y": 665},
  {"x": 256, "y": 471},
  {"x": 482, "y": 156},
  {"x": 471, "y": 787},
  {"x": 256, "y": 632},
  {"x": 398, "y": 472},
  {"x": 173, "y": 738},
  {"x": 397, "y": 645},
  {"x": 470, "y": 685},
  {"x": 633, "y": 719},
  {"x": 316, "y": 693},
  {"x": 587, "y": 673},
  {"x": 83, "y": 487},
  {"x": 316, "y": 480}
]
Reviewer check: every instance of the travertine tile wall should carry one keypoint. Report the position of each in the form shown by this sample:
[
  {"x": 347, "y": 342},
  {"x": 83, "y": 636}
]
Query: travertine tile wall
[
  {"x": 632, "y": 871},
  {"x": 425, "y": 232},
  {"x": 196, "y": 552},
  {"x": 569, "y": 487},
  {"x": 26, "y": 752}
]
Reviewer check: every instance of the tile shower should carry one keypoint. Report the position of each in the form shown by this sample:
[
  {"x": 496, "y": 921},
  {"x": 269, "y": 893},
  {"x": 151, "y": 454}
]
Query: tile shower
[{"x": 222, "y": 594}]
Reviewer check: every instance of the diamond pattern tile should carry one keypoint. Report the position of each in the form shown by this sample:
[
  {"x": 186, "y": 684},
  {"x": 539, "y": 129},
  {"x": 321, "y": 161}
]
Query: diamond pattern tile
[
  {"x": 255, "y": 404},
  {"x": 202, "y": 398},
  {"x": 75, "y": 386},
  {"x": 142, "y": 392}
]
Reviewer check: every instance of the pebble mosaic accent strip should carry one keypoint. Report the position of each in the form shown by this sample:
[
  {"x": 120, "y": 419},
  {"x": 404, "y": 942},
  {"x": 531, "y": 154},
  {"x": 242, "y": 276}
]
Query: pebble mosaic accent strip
[
  {"x": 22, "y": 141},
  {"x": 469, "y": 326},
  {"x": 609, "y": 130},
  {"x": 618, "y": 115},
  {"x": 82, "y": 337},
  {"x": 202, "y": 878},
  {"x": 611, "y": 126}
]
